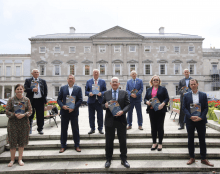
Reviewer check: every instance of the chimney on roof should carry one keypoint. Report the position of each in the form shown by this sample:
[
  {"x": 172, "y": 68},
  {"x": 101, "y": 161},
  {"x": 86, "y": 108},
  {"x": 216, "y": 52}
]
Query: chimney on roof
[
  {"x": 72, "y": 30},
  {"x": 161, "y": 30}
]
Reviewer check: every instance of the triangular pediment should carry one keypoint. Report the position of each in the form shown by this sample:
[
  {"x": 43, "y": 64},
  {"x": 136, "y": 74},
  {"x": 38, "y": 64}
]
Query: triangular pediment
[
  {"x": 87, "y": 61},
  {"x": 147, "y": 61},
  {"x": 132, "y": 61},
  {"x": 57, "y": 62},
  {"x": 117, "y": 32},
  {"x": 41, "y": 62},
  {"x": 177, "y": 61},
  {"x": 117, "y": 61},
  {"x": 191, "y": 61},
  {"x": 71, "y": 62},
  {"x": 102, "y": 61},
  {"x": 162, "y": 61}
]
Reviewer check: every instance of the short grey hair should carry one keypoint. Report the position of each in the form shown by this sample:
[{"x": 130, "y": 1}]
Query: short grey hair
[
  {"x": 96, "y": 70},
  {"x": 133, "y": 71},
  {"x": 34, "y": 70},
  {"x": 186, "y": 70},
  {"x": 114, "y": 78}
]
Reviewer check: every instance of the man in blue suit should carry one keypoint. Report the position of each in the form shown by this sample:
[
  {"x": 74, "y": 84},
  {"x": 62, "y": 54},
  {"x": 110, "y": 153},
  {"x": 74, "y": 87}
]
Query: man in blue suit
[
  {"x": 198, "y": 122},
  {"x": 135, "y": 99},
  {"x": 69, "y": 115},
  {"x": 95, "y": 101}
]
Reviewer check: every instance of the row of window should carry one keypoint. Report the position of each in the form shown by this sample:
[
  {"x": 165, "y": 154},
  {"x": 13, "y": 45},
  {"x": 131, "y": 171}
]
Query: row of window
[
  {"x": 102, "y": 49},
  {"x": 117, "y": 69},
  {"x": 8, "y": 71}
]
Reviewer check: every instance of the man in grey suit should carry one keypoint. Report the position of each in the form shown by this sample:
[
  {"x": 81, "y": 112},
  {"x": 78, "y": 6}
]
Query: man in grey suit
[
  {"x": 182, "y": 84},
  {"x": 117, "y": 121}
]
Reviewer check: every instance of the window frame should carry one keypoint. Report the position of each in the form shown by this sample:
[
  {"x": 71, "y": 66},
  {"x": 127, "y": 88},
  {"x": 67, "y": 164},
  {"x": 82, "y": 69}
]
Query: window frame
[
  {"x": 134, "y": 48},
  {"x": 44, "y": 69},
  {"x": 102, "y": 47},
  {"x": 74, "y": 69},
  {"x": 165, "y": 66},
  {"x": 15, "y": 74},
  {"x": 84, "y": 69},
  {"x": 57, "y": 52},
  {"x": 41, "y": 51},
  {"x": 193, "y": 49},
  {"x": 194, "y": 68},
  {"x": 70, "y": 49},
  {"x": 6, "y": 71},
  {"x": 100, "y": 69},
  {"x": 175, "y": 49},
  {"x": 87, "y": 47},
  {"x": 119, "y": 49},
  {"x": 163, "y": 50},
  {"x": 180, "y": 70},
  {"x": 146, "y": 48},
  {"x": 54, "y": 72},
  {"x": 55, "y": 91},
  {"x": 150, "y": 68},
  {"x": 115, "y": 67}
]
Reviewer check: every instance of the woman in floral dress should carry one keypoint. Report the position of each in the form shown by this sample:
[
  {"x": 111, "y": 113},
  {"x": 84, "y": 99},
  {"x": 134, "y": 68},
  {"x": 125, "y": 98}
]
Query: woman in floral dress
[{"x": 18, "y": 123}]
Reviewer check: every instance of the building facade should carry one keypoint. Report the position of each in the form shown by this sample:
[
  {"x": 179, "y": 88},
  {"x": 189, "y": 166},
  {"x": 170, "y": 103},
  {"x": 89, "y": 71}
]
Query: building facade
[
  {"x": 14, "y": 69},
  {"x": 115, "y": 52}
]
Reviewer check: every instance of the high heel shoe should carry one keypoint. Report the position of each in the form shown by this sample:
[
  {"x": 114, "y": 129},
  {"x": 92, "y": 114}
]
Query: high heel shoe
[
  {"x": 153, "y": 148},
  {"x": 159, "y": 149},
  {"x": 11, "y": 163}
]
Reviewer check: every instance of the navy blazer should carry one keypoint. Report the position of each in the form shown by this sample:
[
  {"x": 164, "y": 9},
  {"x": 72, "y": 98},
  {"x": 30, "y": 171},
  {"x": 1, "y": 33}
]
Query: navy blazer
[
  {"x": 162, "y": 95},
  {"x": 187, "y": 100},
  {"x": 89, "y": 84},
  {"x": 30, "y": 93},
  {"x": 138, "y": 86},
  {"x": 61, "y": 100}
]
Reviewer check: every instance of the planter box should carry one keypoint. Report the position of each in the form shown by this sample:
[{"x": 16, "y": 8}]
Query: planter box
[
  {"x": 3, "y": 120},
  {"x": 217, "y": 113}
]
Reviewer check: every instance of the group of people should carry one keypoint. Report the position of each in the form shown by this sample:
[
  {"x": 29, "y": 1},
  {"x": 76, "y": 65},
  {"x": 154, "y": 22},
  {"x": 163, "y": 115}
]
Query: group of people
[{"x": 20, "y": 125}]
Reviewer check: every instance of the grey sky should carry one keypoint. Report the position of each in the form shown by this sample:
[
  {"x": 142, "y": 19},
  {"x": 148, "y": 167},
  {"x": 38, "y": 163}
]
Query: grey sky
[{"x": 22, "y": 19}]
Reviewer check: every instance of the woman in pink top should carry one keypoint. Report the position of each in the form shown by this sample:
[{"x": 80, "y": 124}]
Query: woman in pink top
[{"x": 157, "y": 117}]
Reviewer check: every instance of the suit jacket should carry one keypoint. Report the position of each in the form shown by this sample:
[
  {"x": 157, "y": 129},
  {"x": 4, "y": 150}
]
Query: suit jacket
[
  {"x": 182, "y": 83},
  {"x": 61, "y": 100},
  {"x": 124, "y": 103},
  {"x": 138, "y": 86},
  {"x": 187, "y": 100},
  {"x": 30, "y": 93},
  {"x": 89, "y": 84},
  {"x": 162, "y": 95}
]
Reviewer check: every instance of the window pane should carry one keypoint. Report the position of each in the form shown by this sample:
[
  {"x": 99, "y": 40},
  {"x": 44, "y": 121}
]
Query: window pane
[
  {"x": 57, "y": 70},
  {"x": 102, "y": 69},
  {"x": 162, "y": 48},
  {"x": 72, "y": 49},
  {"x": 72, "y": 69},
  {"x": 102, "y": 49},
  {"x": 117, "y": 69},
  {"x": 177, "y": 69},
  {"x": 57, "y": 89},
  {"x": 191, "y": 69},
  {"x": 42, "y": 49},
  {"x": 162, "y": 69},
  {"x": 87, "y": 49},
  {"x": 8, "y": 71},
  {"x": 117, "y": 48},
  {"x": 147, "y": 69},
  {"x": 147, "y": 49},
  {"x": 57, "y": 49},
  {"x": 87, "y": 70},
  {"x": 42, "y": 70},
  {"x": 17, "y": 71},
  {"x": 176, "y": 49},
  {"x": 132, "y": 48},
  {"x": 132, "y": 67},
  {"x": 191, "y": 49}
]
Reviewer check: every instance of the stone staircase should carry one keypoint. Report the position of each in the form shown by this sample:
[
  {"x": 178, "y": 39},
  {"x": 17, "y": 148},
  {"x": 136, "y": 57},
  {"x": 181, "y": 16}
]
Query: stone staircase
[{"x": 42, "y": 153}]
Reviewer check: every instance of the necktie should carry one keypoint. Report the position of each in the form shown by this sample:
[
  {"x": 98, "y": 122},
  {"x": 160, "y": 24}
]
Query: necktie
[
  {"x": 114, "y": 97},
  {"x": 37, "y": 86},
  {"x": 134, "y": 83}
]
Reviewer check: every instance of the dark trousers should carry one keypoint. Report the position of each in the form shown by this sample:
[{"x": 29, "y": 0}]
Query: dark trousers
[
  {"x": 181, "y": 116},
  {"x": 65, "y": 119},
  {"x": 201, "y": 129},
  {"x": 38, "y": 107},
  {"x": 98, "y": 108},
  {"x": 137, "y": 106},
  {"x": 109, "y": 140},
  {"x": 157, "y": 125}
]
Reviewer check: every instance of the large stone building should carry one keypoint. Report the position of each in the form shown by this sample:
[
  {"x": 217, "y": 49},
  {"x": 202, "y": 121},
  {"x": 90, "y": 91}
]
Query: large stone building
[{"x": 115, "y": 52}]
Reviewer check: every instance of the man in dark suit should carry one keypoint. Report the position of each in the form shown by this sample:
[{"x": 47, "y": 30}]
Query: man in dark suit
[
  {"x": 117, "y": 121},
  {"x": 198, "y": 122},
  {"x": 135, "y": 99},
  {"x": 69, "y": 115},
  {"x": 95, "y": 101},
  {"x": 38, "y": 97},
  {"x": 183, "y": 83}
]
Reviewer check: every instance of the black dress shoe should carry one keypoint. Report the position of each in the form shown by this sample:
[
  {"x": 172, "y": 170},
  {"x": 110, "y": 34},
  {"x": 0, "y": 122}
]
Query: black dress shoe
[
  {"x": 41, "y": 132},
  {"x": 91, "y": 131},
  {"x": 154, "y": 148},
  {"x": 101, "y": 132},
  {"x": 125, "y": 163},
  {"x": 107, "y": 164},
  {"x": 180, "y": 128}
]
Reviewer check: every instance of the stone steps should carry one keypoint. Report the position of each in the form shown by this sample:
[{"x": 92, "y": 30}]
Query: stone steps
[
  {"x": 97, "y": 166},
  {"x": 99, "y": 154},
  {"x": 135, "y": 143}
]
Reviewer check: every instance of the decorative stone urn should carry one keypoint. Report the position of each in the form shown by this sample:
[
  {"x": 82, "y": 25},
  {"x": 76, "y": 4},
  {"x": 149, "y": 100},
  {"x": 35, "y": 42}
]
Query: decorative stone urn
[
  {"x": 217, "y": 113},
  {"x": 3, "y": 120}
]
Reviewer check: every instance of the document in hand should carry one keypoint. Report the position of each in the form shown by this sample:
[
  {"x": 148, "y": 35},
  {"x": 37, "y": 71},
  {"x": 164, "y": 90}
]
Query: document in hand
[
  {"x": 185, "y": 89},
  {"x": 114, "y": 107},
  {"x": 19, "y": 108},
  {"x": 70, "y": 101},
  {"x": 95, "y": 89},
  {"x": 195, "y": 109},
  {"x": 34, "y": 84},
  {"x": 134, "y": 91},
  {"x": 155, "y": 102}
]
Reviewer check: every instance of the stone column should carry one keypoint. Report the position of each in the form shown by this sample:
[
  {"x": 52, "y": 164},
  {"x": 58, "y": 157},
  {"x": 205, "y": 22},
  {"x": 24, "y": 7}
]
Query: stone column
[
  {"x": 12, "y": 90},
  {"x": 110, "y": 69},
  {"x": 3, "y": 92},
  {"x": 22, "y": 68},
  {"x": 140, "y": 67},
  {"x": 124, "y": 72},
  {"x": 95, "y": 56},
  {"x": 13, "y": 68}
]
